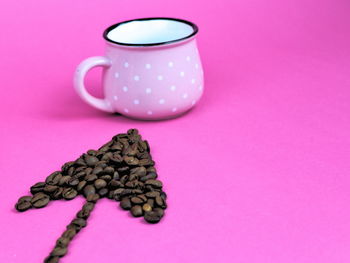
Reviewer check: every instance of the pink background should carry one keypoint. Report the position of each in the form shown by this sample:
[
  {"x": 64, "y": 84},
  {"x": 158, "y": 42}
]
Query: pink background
[{"x": 257, "y": 172}]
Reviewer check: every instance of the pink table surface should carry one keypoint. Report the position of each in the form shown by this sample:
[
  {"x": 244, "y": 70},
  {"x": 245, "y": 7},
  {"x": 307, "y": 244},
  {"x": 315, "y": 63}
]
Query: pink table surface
[{"x": 257, "y": 172}]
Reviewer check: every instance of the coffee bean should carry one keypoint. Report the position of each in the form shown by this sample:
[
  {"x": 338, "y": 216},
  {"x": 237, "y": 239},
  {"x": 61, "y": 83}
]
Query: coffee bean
[
  {"x": 116, "y": 147},
  {"x": 159, "y": 211},
  {"x": 92, "y": 198},
  {"x": 89, "y": 189},
  {"x": 62, "y": 242},
  {"x": 90, "y": 160},
  {"x": 88, "y": 170},
  {"x": 64, "y": 180},
  {"x": 116, "y": 158},
  {"x": 79, "y": 223},
  {"x": 83, "y": 213},
  {"x": 154, "y": 183},
  {"x": 80, "y": 162},
  {"x": 125, "y": 203},
  {"x": 24, "y": 203},
  {"x": 69, "y": 193},
  {"x": 142, "y": 197},
  {"x": 152, "y": 194},
  {"x": 146, "y": 207},
  {"x": 59, "y": 251},
  {"x": 91, "y": 152},
  {"x": 71, "y": 171},
  {"x": 50, "y": 188},
  {"x": 106, "y": 177},
  {"x": 89, "y": 206},
  {"x": 123, "y": 170},
  {"x": 102, "y": 192},
  {"x": 113, "y": 184},
  {"x": 80, "y": 175},
  {"x": 136, "y": 200},
  {"x": 150, "y": 202},
  {"x": 40, "y": 200},
  {"x": 124, "y": 179},
  {"x": 52, "y": 259},
  {"x": 159, "y": 201},
  {"x": 38, "y": 187},
  {"x": 152, "y": 217},
  {"x": 151, "y": 169},
  {"x": 136, "y": 211},
  {"x": 108, "y": 170},
  {"x": 73, "y": 181},
  {"x": 81, "y": 185},
  {"x": 116, "y": 176},
  {"x": 90, "y": 177},
  {"x": 163, "y": 195},
  {"x": 54, "y": 178},
  {"x": 137, "y": 191},
  {"x": 69, "y": 233},
  {"x": 99, "y": 183},
  {"x": 57, "y": 194},
  {"x": 97, "y": 170},
  {"x": 130, "y": 160},
  {"x": 151, "y": 175}
]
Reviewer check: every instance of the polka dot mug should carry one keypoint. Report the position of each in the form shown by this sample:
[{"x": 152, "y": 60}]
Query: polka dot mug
[{"x": 152, "y": 69}]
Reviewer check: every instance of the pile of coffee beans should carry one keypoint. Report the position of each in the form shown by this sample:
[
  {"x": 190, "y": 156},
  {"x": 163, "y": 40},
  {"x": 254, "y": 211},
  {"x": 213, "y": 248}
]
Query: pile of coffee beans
[{"x": 121, "y": 170}]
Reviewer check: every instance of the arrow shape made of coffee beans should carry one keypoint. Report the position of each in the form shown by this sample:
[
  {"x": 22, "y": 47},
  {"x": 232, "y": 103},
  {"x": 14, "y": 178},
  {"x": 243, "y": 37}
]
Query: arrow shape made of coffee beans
[{"x": 122, "y": 170}]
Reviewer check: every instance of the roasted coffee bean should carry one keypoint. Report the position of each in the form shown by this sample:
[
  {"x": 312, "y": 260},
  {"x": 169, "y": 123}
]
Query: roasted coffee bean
[
  {"x": 73, "y": 181},
  {"x": 71, "y": 171},
  {"x": 24, "y": 203},
  {"x": 116, "y": 147},
  {"x": 38, "y": 187},
  {"x": 79, "y": 175},
  {"x": 83, "y": 213},
  {"x": 113, "y": 184},
  {"x": 102, "y": 192},
  {"x": 97, "y": 170},
  {"x": 131, "y": 184},
  {"x": 54, "y": 178},
  {"x": 57, "y": 194},
  {"x": 50, "y": 188},
  {"x": 79, "y": 223},
  {"x": 106, "y": 177},
  {"x": 89, "y": 189},
  {"x": 92, "y": 152},
  {"x": 130, "y": 160},
  {"x": 62, "y": 242},
  {"x": 108, "y": 170},
  {"x": 116, "y": 158},
  {"x": 124, "y": 179},
  {"x": 91, "y": 160},
  {"x": 136, "y": 200},
  {"x": 92, "y": 198},
  {"x": 159, "y": 211},
  {"x": 64, "y": 180},
  {"x": 123, "y": 170},
  {"x": 125, "y": 203},
  {"x": 100, "y": 183},
  {"x": 90, "y": 177},
  {"x": 137, "y": 191},
  {"x": 116, "y": 176},
  {"x": 146, "y": 207},
  {"x": 69, "y": 193},
  {"x": 88, "y": 170},
  {"x": 80, "y": 162},
  {"x": 81, "y": 185},
  {"x": 154, "y": 183},
  {"x": 126, "y": 192},
  {"x": 163, "y": 195},
  {"x": 102, "y": 164},
  {"x": 152, "y": 217},
  {"x": 136, "y": 211},
  {"x": 150, "y": 202},
  {"x": 151, "y": 175},
  {"x": 52, "y": 259},
  {"x": 89, "y": 206},
  {"x": 151, "y": 169},
  {"x": 40, "y": 200},
  {"x": 59, "y": 251},
  {"x": 152, "y": 194},
  {"x": 67, "y": 165},
  {"x": 69, "y": 233},
  {"x": 159, "y": 201}
]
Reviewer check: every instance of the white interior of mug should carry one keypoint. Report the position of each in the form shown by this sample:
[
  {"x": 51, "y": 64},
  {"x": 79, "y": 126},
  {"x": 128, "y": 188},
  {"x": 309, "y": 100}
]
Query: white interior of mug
[{"x": 150, "y": 31}]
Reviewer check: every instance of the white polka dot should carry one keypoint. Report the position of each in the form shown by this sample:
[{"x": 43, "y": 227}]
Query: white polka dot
[
  {"x": 200, "y": 87},
  {"x": 126, "y": 110},
  {"x": 197, "y": 66},
  {"x": 136, "y": 102},
  {"x": 182, "y": 73},
  {"x": 149, "y": 112},
  {"x": 116, "y": 75},
  {"x": 148, "y": 66},
  {"x": 188, "y": 58},
  {"x": 115, "y": 97},
  {"x": 148, "y": 90},
  {"x": 160, "y": 77},
  {"x": 125, "y": 88},
  {"x": 185, "y": 96},
  {"x": 170, "y": 64},
  {"x": 193, "y": 102},
  {"x": 161, "y": 101},
  {"x": 193, "y": 81},
  {"x": 174, "y": 109},
  {"x": 136, "y": 78},
  {"x": 126, "y": 64},
  {"x": 173, "y": 88}
]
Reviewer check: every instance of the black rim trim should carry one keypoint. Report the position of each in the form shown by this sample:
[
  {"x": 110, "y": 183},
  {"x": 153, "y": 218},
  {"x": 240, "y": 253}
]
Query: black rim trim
[{"x": 194, "y": 26}]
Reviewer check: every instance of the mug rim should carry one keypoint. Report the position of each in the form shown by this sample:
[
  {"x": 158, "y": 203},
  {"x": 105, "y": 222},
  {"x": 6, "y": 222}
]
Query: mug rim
[{"x": 194, "y": 27}]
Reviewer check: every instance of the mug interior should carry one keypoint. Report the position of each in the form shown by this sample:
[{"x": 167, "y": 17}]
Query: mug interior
[{"x": 150, "y": 31}]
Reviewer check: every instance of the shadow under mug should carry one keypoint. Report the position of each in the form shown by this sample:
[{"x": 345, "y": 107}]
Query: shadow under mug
[{"x": 152, "y": 69}]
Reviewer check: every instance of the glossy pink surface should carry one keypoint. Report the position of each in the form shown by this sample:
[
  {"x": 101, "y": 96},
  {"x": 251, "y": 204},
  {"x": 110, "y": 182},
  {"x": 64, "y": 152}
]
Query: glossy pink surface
[{"x": 257, "y": 172}]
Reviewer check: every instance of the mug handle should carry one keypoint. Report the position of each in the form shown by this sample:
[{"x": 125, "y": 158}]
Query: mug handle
[{"x": 80, "y": 73}]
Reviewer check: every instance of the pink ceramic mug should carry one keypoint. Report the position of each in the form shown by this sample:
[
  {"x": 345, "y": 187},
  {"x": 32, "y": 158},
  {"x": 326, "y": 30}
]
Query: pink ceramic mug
[{"x": 152, "y": 69}]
